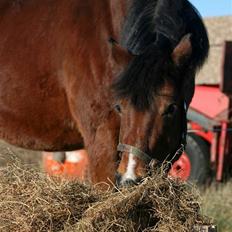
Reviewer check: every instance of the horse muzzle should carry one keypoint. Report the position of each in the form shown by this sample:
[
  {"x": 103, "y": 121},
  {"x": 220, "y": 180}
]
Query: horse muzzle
[
  {"x": 133, "y": 165},
  {"x": 120, "y": 182}
]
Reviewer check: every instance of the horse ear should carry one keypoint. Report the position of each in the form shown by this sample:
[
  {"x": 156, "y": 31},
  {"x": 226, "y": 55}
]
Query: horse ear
[
  {"x": 183, "y": 50},
  {"x": 121, "y": 55}
]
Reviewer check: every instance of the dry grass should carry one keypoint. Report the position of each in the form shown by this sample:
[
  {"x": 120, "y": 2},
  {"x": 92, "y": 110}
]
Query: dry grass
[
  {"x": 217, "y": 203},
  {"x": 31, "y": 201}
]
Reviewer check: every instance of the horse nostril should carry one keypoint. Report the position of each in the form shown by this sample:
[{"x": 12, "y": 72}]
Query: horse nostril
[
  {"x": 126, "y": 182},
  {"x": 129, "y": 183}
]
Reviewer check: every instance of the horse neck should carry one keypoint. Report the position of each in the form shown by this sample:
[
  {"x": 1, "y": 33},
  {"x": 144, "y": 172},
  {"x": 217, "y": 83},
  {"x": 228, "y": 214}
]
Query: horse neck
[
  {"x": 119, "y": 10},
  {"x": 109, "y": 20},
  {"x": 98, "y": 21}
]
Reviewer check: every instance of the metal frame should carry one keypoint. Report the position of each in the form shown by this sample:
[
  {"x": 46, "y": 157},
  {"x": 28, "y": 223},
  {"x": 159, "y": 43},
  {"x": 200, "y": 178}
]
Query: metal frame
[{"x": 214, "y": 131}]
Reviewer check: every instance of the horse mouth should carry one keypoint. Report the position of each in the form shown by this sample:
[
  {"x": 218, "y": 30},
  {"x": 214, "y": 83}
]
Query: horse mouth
[{"x": 127, "y": 182}]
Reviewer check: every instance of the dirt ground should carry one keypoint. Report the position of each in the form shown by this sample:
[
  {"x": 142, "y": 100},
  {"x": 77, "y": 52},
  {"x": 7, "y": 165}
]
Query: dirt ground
[{"x": 9, "y": 154}]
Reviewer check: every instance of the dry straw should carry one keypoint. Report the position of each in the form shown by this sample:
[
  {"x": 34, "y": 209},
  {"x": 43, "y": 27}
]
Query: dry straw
[{"x": 32, "y": 201}]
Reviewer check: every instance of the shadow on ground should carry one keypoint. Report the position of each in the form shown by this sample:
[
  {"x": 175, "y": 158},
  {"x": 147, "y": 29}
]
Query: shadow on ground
[{"x": 9, "y": 154}]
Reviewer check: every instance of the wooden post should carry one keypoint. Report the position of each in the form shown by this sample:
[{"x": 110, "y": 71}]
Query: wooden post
[
  {"x": 225, "y": 145},
  {"x": 226, "y": 80}
]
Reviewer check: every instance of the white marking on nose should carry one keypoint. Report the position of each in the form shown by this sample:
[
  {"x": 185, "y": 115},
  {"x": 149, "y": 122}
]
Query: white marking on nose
[{"x": 130, "y": 172}]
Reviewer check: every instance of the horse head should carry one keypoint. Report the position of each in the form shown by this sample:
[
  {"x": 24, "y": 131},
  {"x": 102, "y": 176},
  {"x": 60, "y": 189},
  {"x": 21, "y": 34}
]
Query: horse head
[{"x": 151, "y": 101}]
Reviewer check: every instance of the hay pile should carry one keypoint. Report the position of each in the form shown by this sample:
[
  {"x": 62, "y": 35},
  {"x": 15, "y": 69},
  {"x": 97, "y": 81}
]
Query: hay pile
[{"x": 31, "y": 201}]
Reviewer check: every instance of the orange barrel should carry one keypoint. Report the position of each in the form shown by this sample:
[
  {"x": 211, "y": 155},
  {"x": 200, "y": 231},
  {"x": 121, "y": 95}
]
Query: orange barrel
[
  {"x": 51, "y": 166},
  {"x": 76, "y": 164},
  {"x": 74, "y": 167}
]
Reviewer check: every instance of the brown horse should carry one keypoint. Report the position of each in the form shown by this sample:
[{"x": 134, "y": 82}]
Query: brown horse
[{"x": 111, "y": 76}]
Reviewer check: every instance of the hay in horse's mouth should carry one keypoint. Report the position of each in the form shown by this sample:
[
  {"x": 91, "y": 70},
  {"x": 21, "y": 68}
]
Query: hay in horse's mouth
[{"x": 31, "y": 201}]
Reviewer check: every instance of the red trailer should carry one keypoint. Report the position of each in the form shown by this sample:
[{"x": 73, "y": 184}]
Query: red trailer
[{"x": 209, "y": 140}]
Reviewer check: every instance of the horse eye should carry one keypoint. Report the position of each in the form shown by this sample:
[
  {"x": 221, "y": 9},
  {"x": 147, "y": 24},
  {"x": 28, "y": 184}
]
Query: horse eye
[
  {"x": 171, "y": 109},
  {"x": 117, "y": 108}
]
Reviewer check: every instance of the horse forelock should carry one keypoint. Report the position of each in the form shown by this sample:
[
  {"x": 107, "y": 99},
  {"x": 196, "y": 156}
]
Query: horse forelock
[
  {"x": 149, "y": 20},
  {"x": 144, "y": 77},
  {"x": 152, "y": 30}
]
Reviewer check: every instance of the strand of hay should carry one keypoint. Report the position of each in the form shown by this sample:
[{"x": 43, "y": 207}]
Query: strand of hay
[{"x": 32, "y": 201}]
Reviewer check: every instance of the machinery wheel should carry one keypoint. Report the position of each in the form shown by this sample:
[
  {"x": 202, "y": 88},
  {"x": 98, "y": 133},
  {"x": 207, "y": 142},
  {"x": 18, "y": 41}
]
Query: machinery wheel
[{"x": 194, "y": 163}]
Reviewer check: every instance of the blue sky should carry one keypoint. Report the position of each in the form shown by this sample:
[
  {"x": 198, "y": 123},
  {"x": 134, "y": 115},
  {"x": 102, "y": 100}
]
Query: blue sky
[{"x": 209, "y": 8}]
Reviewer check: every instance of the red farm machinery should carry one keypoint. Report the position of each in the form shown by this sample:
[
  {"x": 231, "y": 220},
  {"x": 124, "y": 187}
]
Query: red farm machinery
[{"x": 209, "y": 142}]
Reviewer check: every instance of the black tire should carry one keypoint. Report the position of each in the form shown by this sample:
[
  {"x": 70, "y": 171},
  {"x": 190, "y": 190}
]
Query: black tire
[{"x": 198, "y": 153}]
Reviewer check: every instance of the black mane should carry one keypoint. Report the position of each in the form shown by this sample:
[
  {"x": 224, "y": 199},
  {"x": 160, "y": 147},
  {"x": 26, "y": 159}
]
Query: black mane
[{"x": 152, "y": 30}]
